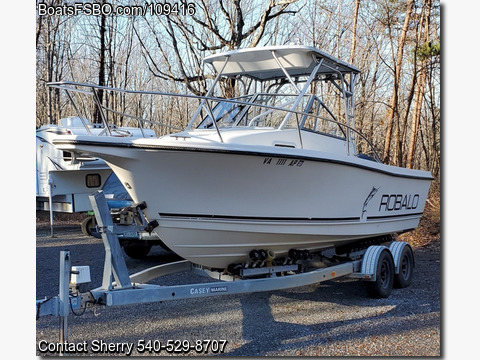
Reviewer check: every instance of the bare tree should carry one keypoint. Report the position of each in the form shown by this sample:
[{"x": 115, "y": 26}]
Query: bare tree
[
  {"x": 101, "y": 63},
  {"x": 424, "y": 36},
  {"x": 397, "y": 70},
  {"x": 354, "y": 31},
  {"x": 51, "y": 46},
  {"x": 395, "y": 44},
  {"x": 215, "y": 25}
]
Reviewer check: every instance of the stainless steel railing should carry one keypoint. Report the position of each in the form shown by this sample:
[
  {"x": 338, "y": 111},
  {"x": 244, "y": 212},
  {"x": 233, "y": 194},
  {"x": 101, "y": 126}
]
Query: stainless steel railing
[{"x": 206, "y": 102}]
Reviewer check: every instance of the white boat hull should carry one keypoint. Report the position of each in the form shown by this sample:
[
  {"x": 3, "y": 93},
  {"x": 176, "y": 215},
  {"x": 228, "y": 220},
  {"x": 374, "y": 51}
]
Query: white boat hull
[
  {"x": 218, "y": 243},
  {"x": 215, "y": 205},
  {"x": 273, "y": 169}
]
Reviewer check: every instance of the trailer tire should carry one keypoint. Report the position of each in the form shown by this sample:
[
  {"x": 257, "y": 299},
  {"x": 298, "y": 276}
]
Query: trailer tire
[
  {"x": 137, "y": 251},
  {"x": 87, "y": 224},
  {"x": 385, "y": 271},
  {"x": 404, "y": 268}
]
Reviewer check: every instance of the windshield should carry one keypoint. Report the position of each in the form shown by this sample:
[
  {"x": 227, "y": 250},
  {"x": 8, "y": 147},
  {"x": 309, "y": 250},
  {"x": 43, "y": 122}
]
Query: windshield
[
  {"x": 257, "y": 111},
  {"x": 251, "y": 110},
  {"x": 319, "y": 120},
  {"x": 224, "y": 114}
]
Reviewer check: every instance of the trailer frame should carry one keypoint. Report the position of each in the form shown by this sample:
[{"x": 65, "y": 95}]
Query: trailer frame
[{"x": 378, "y": 265}]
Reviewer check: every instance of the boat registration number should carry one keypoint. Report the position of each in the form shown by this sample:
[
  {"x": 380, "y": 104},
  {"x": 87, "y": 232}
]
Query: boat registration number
[{"x": 282, "y": 161}]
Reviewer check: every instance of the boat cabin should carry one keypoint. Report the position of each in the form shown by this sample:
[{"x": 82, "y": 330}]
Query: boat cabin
[{"x": 288, "y": 87}]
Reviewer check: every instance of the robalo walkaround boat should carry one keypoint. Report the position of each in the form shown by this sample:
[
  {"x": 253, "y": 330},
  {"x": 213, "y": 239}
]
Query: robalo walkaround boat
[{"x": 267, "y": 175}]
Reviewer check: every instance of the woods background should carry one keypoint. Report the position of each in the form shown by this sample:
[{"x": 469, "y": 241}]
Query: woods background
[
  {"x": 372, "y": 29},
  {"x": 395, "y": 43}
]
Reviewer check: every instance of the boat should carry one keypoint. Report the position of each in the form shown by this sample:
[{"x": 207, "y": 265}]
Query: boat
[
  {"x": 64, "y": 181},
  {"x": 274, "y": 171}
]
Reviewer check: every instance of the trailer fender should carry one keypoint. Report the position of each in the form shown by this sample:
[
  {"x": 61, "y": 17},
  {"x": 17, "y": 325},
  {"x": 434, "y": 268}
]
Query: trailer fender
[
  {"x": 370, "y": 262},
  {"x": 396, "y": 249},
  {"x": 404, "y": 262}
]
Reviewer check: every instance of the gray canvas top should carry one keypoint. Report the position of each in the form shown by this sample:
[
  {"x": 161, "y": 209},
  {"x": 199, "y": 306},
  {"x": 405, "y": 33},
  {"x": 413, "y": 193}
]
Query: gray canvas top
[{"x": 260, "y": 63}]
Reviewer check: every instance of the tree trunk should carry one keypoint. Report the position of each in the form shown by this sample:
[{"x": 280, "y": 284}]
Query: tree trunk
[
  {"x": 420, "y": 90},
  {"x": 396, "y": 83},
  {"x": 101, "y": 70},
  {"x": 49, "y": 56},
  {"x": 354, "y": 31}
]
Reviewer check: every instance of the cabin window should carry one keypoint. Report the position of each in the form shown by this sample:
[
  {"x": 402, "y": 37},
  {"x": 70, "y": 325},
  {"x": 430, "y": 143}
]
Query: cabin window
[{"x": 93, "y": 180}]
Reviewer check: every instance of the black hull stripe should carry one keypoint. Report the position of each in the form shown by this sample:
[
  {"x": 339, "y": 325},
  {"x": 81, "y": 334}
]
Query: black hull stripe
[
  {"x": 251, "y": 218},
  {"x": 286, "y": 219},
  {"x": 239, "y": 152}
]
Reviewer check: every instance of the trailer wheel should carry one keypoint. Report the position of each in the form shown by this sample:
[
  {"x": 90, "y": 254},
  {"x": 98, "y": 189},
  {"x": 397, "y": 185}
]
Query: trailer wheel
[
  {"x": 404, "y": 264},
  {"x": 88, "y": 223},
  {"x": 137, "y": 251},
  {"x": 385, "y": 271}
]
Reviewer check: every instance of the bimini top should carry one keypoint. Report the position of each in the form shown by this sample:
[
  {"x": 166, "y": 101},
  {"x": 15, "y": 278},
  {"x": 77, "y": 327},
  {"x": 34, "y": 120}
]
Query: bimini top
[{"x": 262, "y": 63}]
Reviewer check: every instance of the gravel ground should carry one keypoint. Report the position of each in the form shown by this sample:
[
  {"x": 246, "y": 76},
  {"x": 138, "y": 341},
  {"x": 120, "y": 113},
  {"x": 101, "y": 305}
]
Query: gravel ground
[{"x": 335, "y": 318}]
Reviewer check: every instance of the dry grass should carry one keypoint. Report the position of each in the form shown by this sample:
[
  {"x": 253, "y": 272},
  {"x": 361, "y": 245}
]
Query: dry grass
[{"x": 430, "y": 225}]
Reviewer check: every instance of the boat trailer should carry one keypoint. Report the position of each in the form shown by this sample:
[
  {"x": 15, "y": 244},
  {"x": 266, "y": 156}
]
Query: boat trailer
[{"x": 379, "y": 266}]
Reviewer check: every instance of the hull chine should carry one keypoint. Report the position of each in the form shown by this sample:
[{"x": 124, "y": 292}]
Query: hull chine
[{"x": 219, "y": 242}]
